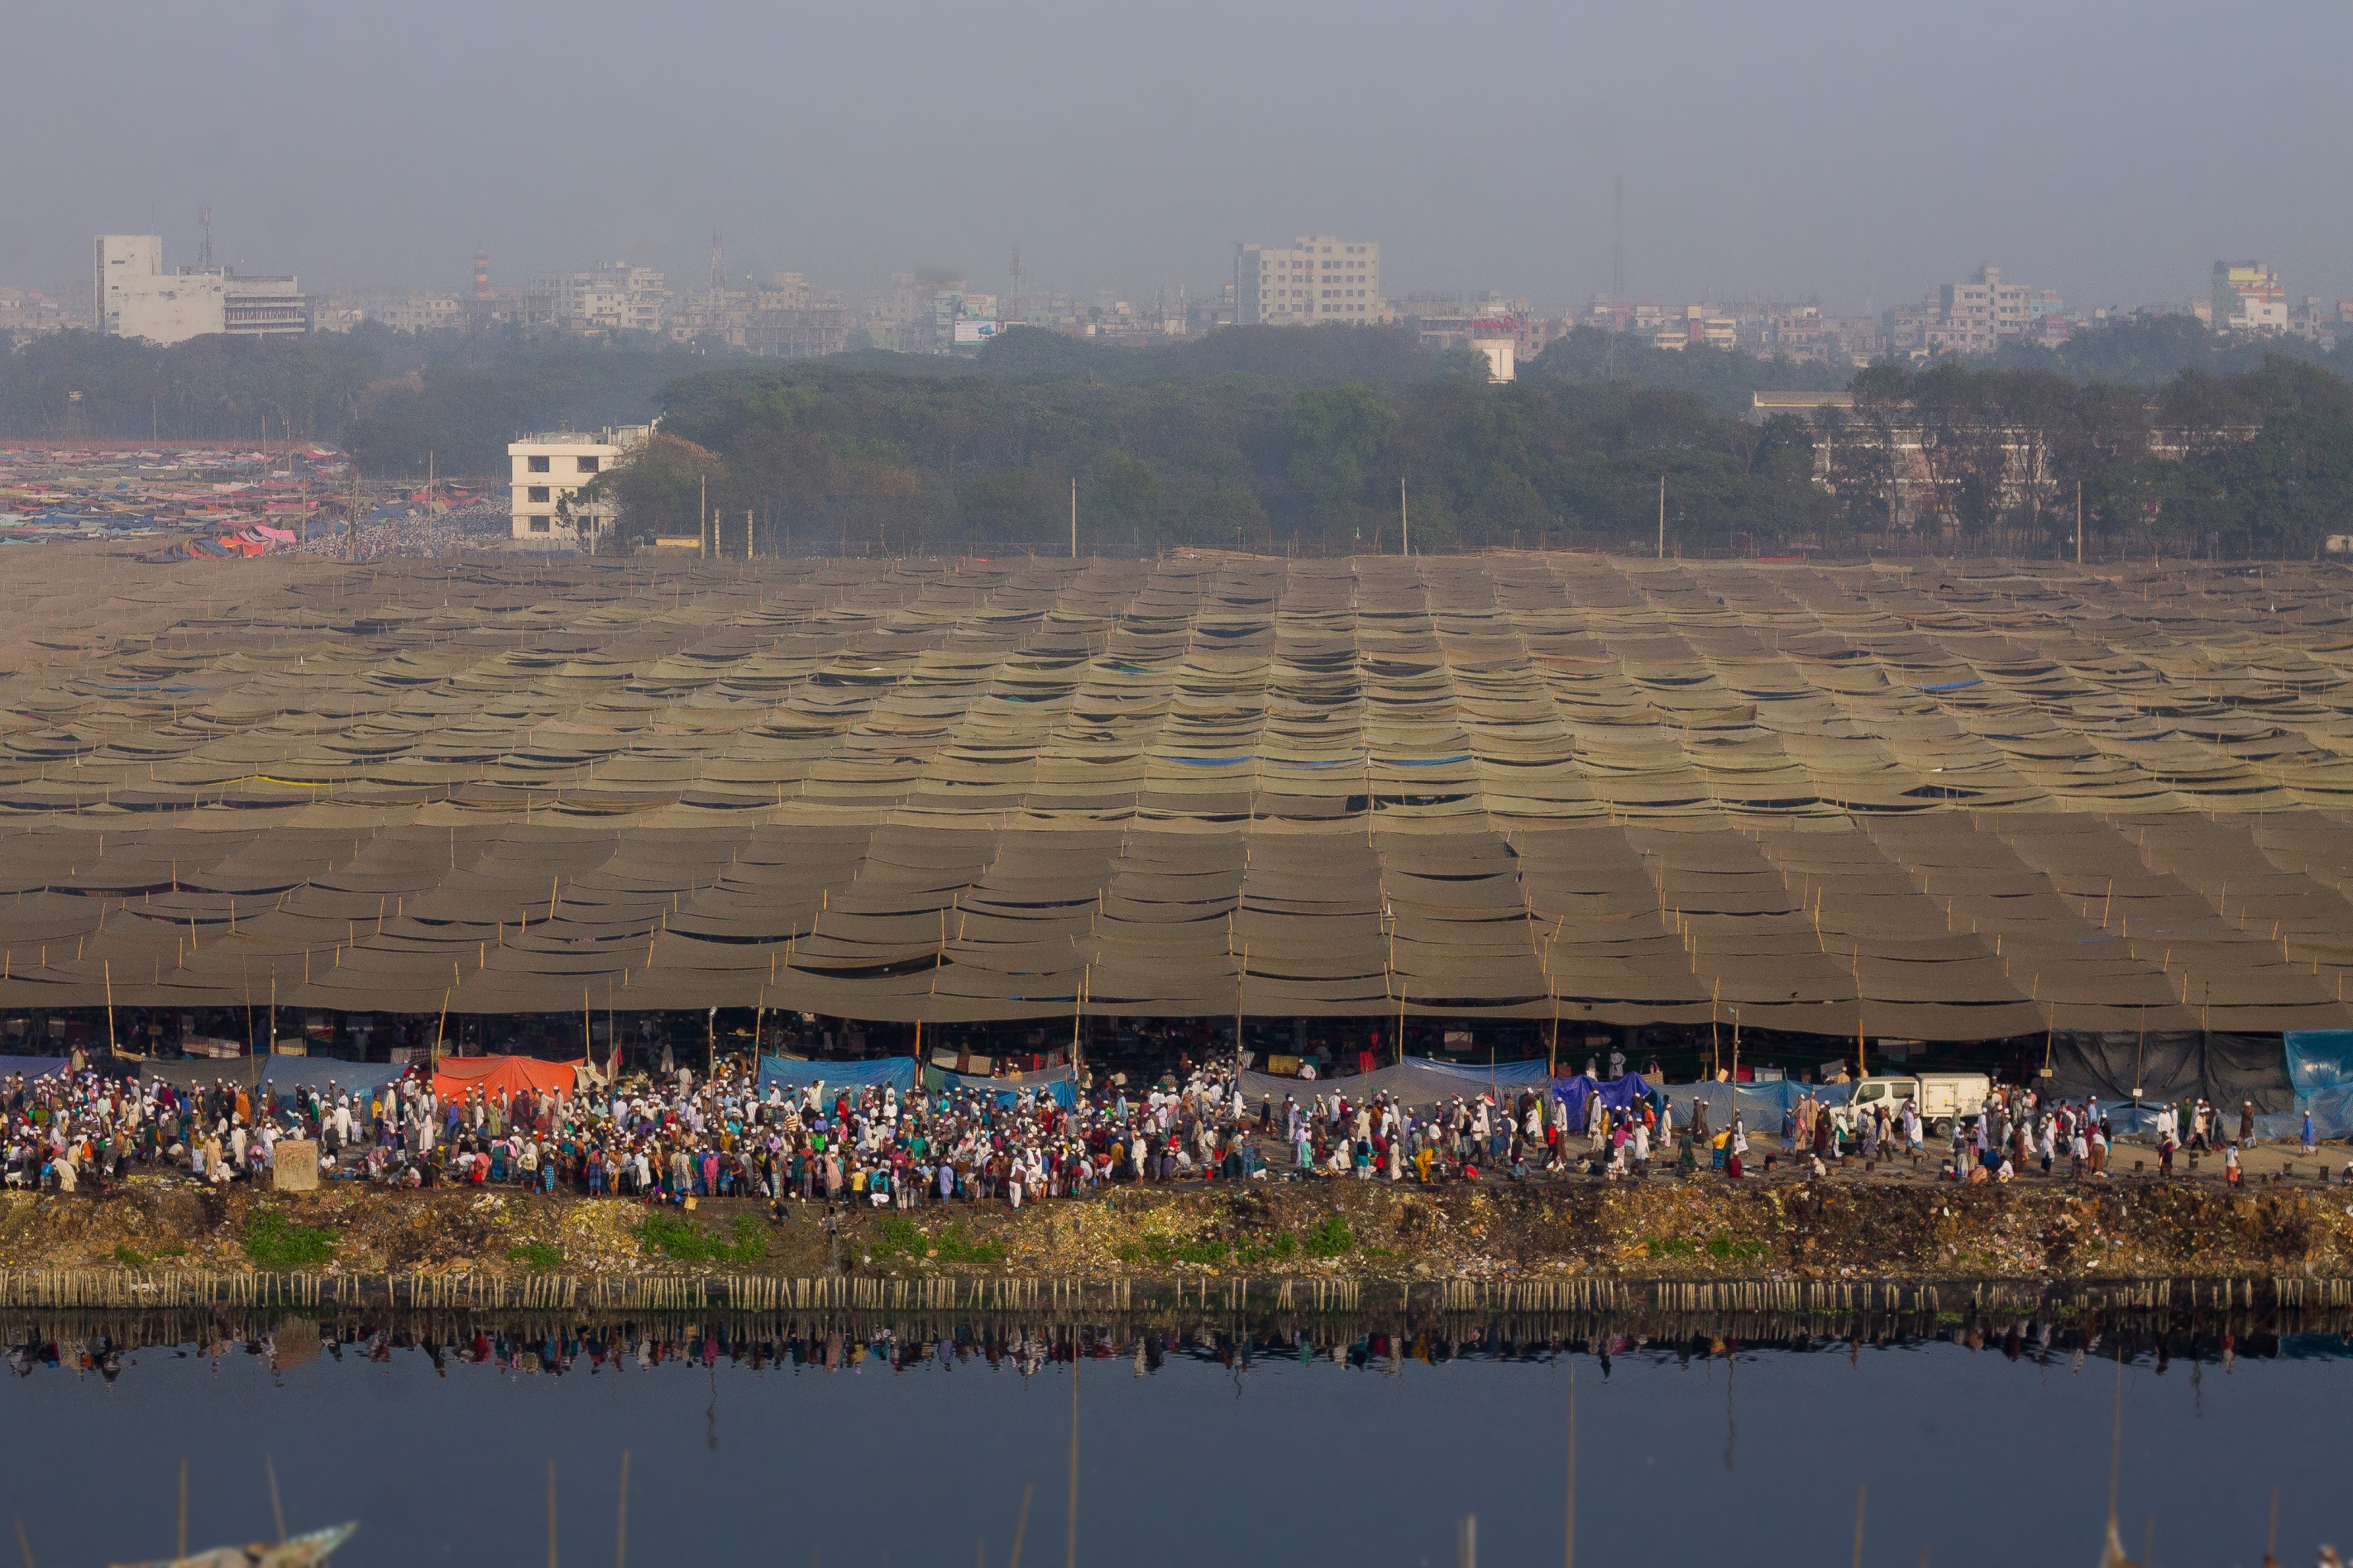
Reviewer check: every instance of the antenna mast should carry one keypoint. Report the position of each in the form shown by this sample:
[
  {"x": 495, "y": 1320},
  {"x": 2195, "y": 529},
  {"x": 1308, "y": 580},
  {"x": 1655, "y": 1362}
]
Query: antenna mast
[
  {"x": 1617, "y": 245},
  {"x": 204, "y": 239},
  {"x": 1013, "y": 281}
]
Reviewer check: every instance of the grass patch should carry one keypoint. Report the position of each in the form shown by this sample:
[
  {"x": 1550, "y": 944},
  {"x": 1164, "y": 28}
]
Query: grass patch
[
  {"x": 536, "y": 1255},
  {"x": 1672, "y": 1247},
  {"x": 950, "y": 1246},
  {"x": 1155, "y": 1248},
  {"x": 130, "y": 1256},
  {"x": 1280, "y": 1247},
  {"x": 1725, "y": 1249},
  {"x": 1331, "y": 1239},
  {"x": 682, "y": 1241},
  {"x": 273, "y": 1241}
]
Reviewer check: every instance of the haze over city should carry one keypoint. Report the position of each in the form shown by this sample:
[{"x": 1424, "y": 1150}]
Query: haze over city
[{"x": 1828, "y": 150}]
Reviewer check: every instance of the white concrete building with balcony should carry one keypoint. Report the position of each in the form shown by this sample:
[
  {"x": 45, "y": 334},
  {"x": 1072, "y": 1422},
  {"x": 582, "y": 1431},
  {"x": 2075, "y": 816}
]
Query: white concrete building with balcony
[{"x": 548, "y": 471}]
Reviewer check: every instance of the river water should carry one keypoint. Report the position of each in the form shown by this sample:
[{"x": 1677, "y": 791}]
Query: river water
[{"x": 1196, "y": 1447}]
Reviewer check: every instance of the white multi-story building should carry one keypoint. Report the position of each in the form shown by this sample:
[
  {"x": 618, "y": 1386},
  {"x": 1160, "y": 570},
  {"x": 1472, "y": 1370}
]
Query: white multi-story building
[
  {"x": 1975, "y": 317},
  {"x": 1316, "y": 278},
  {"x": 548, "y": 471},
  {"x": 613, "y": 297},
  {"x": 2248, "y": 298},
  {"x": 137, "y": 299}
]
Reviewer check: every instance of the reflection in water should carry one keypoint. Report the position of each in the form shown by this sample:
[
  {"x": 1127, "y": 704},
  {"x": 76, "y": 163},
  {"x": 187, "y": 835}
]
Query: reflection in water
[{"x": 1305, "y": 1441}]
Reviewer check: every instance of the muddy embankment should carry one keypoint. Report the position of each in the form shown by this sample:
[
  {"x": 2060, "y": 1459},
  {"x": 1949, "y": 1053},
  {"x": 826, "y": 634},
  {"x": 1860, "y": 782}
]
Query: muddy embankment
[{"x": 1662, "y": 1230}]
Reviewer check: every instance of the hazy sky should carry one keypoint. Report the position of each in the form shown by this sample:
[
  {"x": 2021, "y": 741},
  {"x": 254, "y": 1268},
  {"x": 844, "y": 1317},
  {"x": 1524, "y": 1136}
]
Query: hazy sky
[{"x": 1823, "y": 147}]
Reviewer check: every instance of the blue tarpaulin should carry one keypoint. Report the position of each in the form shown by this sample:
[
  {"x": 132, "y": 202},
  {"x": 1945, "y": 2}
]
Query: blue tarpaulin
[
  {"x": 1617, "y": 1093},
  {"x": 31, "y": 1068},
  {"x": 2320, "y": 1066},
  {"x": 1415, "y": 1081},
  {"x": 880, "y": 1072},
  {"x": 1761, "y": 1105},
  {"x": 1062, "y": 1087},
  {"x": 285, "y": 1072}
]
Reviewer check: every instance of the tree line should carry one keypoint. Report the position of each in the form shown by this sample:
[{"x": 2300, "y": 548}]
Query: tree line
[
  {"x": 1298, "y": 438},
  {"x": 981, "y": 455}
]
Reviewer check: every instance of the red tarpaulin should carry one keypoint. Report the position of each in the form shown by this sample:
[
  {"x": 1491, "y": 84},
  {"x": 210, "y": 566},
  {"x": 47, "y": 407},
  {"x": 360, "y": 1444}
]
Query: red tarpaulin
[{"x": 500, "y": 1078}]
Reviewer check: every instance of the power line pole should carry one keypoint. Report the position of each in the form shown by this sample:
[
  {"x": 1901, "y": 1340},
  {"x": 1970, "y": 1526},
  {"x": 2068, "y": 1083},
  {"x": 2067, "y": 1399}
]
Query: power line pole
[
  {"x": 2079, "y": 522},
  {"x": 1405, "y": 528},
  {"x": 1663, "y": 517},
  {"x": 1074, "y": 517}
]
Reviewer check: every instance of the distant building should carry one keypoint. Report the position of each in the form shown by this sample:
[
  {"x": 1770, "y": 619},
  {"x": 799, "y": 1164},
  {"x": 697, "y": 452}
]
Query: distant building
[
  {"x": 32, "y": 312},
  {"x": 2248, "y": 299},
  {"x": 1808, "y": 406},
  {"x": 1443, "y": 322},
  {"x": 1497, "y": 342},
  {"x": 612, "y": 297},
  {"x": 137, "y": 299},
  {"x": 1974, "y": 318},
  {"x": 399, "y": 313},
  {"x": 547, "y": 472},
  {"x": 1318, "y": 278}
]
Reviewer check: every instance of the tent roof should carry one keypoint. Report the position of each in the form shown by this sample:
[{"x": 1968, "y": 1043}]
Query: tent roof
[{"x": 1922, "y": 800}]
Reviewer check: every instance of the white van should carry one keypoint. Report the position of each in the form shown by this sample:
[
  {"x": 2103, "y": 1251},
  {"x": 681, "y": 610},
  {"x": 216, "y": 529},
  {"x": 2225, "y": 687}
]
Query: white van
[{"x": 1941, "y": 1098}]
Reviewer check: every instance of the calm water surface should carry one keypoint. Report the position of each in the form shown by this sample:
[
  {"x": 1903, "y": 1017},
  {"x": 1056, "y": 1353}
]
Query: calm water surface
[{"x": 1191, "y": 1453}]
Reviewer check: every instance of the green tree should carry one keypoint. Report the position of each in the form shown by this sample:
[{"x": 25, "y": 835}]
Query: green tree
[
  {"x": 659, "y": 489},
  {"x": 1335, "y": 434}
]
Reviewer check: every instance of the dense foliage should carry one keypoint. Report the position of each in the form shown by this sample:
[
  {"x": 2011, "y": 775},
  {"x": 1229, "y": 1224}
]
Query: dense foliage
[
  {"x": 872, "y": 459},
  {"x": 2258, "y": 463},
  {"x": 1298, "y": 439},
  {"x": 392, "y": 398}
]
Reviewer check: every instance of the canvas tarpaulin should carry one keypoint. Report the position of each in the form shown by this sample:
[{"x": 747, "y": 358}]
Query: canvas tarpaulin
[
  {"x": 2167, "y": 1067},
  {"x": 502, "y": 1077},
  {"x": 1940, "y": 800}
]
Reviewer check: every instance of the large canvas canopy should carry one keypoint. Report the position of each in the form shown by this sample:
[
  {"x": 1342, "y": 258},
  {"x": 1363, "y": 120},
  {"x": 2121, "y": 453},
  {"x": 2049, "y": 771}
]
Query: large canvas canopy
[{"x": 1924, "y": 800}]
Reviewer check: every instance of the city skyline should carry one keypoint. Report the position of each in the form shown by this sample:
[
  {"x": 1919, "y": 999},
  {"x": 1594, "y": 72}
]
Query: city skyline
[{"x": 1837, "y": 154}]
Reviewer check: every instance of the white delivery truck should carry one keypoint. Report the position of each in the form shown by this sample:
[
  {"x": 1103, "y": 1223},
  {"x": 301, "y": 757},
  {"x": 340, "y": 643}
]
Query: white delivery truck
[{"x": 1943, "y": 1098}]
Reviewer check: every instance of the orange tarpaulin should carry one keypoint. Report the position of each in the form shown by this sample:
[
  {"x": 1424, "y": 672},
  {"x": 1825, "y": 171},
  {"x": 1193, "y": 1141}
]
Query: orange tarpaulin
[{"x": 500, "y": 1078}]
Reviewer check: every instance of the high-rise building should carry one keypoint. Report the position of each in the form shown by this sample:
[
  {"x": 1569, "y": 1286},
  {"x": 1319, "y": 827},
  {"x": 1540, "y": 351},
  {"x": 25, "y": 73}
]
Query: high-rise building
[
  {"x": 137, "y": 299},
  {"x": 1316, "y": 278},
  {"x": 2248, "y": 298}
]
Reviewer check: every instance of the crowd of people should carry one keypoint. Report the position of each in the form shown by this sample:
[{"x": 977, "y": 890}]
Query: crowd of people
[{"x": 670, "y": 1135}]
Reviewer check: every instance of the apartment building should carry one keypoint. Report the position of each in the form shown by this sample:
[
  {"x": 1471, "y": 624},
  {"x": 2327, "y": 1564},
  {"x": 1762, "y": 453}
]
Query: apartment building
[
  {"x": 611, "y": 296},
  {"x": 137, "y": 299},
  {"x": 1318, "y": 278},
  {"x": 1974, "y": 318},
  {"x": 548, "y": 471}
]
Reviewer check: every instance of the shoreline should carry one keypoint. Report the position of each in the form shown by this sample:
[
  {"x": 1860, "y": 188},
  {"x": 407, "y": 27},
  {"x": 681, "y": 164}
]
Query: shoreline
[{"x": 1573, "y": 1245}]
